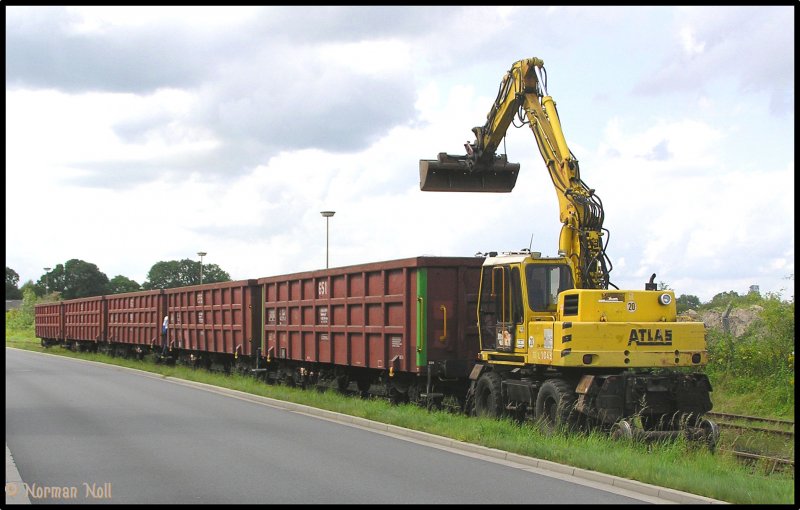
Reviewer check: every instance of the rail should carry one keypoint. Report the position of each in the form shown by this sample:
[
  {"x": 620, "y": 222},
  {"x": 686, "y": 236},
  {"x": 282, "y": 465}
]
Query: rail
[
  {"x": 773, "y": 463},
  {"x": 728, "y": 416}
]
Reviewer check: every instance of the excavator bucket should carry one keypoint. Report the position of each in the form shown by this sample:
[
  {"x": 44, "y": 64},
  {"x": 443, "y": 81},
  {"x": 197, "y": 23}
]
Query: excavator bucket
[{"x": 452, "y": 173}]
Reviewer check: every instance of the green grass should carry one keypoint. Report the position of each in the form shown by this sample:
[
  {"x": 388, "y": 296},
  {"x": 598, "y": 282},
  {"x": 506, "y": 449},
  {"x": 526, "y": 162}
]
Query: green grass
[
  {"x": 675, "y": 465},
  {"x": 752, "y": 396}
]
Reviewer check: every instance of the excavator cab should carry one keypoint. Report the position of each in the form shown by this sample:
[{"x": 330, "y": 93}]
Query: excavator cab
[{"x": 459, "y": 173}]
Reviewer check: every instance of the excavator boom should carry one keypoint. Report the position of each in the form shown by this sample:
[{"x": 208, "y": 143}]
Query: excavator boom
[
  {"x": 481, "y": 169},
  {"x": 522, "y": 94}
]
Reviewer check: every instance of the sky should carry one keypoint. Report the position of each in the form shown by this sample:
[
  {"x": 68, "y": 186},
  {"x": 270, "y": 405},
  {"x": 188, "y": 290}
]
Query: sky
[{"x": 136, "y": 135}]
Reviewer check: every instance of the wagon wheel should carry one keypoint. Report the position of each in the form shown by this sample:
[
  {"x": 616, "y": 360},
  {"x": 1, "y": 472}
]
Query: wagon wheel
[
  {"x": 397, "y": 392},
  {"x": 364, "y": 384},
  {"x": 286, "y": 378},
  {"x": 342, "y": 383}
]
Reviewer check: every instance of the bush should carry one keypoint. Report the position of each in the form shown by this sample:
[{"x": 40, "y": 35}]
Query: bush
[
  {"x": 723, "y": 299},
  {"x": 23, "y": 317},
  {"x": 760, "y": 361}
]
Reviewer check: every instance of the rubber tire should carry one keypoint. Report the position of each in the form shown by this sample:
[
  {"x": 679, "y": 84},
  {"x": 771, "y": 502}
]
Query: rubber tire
[
  {"x": 488, "y": 396},
  {"x": 555, "y": 405}
]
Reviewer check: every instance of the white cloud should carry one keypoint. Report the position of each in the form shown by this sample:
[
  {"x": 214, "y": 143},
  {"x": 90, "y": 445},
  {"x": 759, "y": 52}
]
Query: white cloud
[
  {"x": 690, "y": 44},
  {"x": 392, "y": 57},
  {"x": 691, "y": 218},
  {"x": 229, "y": 129},
  {"x": 108, "y": 18}
]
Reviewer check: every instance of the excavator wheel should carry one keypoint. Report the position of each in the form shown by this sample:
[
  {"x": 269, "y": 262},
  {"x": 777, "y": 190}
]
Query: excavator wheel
[
  {"x": 455, "y": 173},
  {"x": 555, "y": 406},
  {"x": 488, "y": 396}
]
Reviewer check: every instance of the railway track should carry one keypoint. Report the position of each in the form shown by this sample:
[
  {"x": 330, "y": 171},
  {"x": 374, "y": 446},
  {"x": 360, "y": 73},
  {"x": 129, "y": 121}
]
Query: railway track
[
  {"x": 766, "y": 427},
  {"x": 726, "y": 420}
]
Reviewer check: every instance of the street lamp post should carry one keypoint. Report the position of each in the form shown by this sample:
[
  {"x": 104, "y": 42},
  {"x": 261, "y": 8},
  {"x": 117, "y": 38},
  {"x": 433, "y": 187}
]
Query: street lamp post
[
  {"x": 202, "y": 254},
  {"x": 46, "y": 277},
  {"x": 327, "y": 215}
]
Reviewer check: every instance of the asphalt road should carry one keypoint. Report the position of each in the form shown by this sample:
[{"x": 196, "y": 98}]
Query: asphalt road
[{"x": 88, "y": 432}]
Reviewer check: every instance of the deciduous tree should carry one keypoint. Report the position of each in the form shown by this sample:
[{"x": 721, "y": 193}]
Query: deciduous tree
[
  {"x": 121, "y": 284},
  {"x": 76, "y": 279},
  {"x": 12, "y": 282},
  {"x": 180, "y": 273}
]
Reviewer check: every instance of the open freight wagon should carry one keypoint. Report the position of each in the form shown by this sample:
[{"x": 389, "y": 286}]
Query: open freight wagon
[
  {"x": 215, "y": 325},
  {"x": 407, "y": 326}
]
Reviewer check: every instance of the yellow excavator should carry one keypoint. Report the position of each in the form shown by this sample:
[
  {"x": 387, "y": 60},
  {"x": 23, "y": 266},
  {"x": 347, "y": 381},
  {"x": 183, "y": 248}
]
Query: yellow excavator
[{"x": 559, "y": 343}]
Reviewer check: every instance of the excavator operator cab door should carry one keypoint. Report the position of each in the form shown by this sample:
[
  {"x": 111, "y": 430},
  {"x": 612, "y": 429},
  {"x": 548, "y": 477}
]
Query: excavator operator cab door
[
  {"x": 501, "y": 314},
  {"x": 544, "y": 281}
]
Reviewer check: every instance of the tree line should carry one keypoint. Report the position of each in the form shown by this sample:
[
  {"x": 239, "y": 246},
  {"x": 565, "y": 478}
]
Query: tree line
[{"x": 77, "y": 278}]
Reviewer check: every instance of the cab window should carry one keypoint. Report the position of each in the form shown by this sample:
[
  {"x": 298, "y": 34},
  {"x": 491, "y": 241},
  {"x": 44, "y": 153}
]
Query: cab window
[{"x": 545, "y": 282}]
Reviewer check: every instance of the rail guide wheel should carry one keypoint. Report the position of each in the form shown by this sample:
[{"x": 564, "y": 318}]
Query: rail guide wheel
[
  {"x": 622, "y": 430},
  {"x": 710, "y": 433}
]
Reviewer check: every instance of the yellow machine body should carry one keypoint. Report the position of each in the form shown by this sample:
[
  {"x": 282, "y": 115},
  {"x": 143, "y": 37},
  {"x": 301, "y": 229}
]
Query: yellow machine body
[{"x": 578, "y": 327}]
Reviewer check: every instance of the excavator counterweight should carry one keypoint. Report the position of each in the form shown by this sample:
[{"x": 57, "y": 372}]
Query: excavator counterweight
[{"x": 458, "y": 173}]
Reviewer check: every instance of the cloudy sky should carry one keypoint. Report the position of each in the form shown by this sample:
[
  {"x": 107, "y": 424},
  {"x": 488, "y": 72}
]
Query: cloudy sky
[{"x": 141, "y": 134}]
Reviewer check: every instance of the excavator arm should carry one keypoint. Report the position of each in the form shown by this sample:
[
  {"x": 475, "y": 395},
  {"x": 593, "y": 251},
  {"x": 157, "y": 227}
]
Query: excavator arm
[{"x": 523, "y": 95}]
